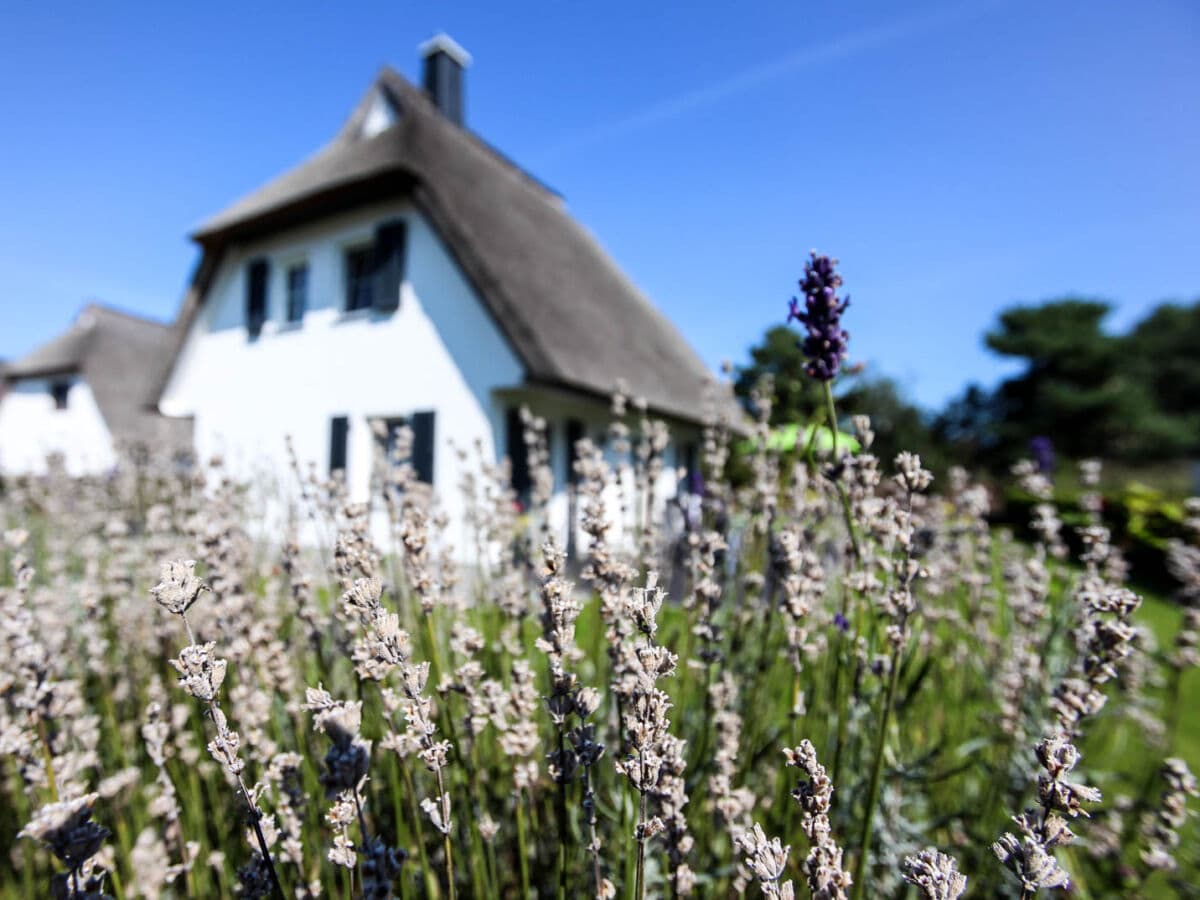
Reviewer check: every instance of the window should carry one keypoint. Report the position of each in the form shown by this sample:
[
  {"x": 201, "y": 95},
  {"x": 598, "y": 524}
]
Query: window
[
  {"x": 423, "y": 434},
  {"x": 59, "y": 391},
  {"x": 375, "y": 272},
  {"x": 360, "y": 278},
  {"x": 422, "y": 453},
  {"x": 257, "y": 273},
  {"x": 297, "y": 292},
  {"x": 391, "y": 239},
  {"x": 518, "y": 457},
  {"x": 688, "y": 459},
  {"x": 339, "y": 430},
  {"x": 575, "y": 434}
]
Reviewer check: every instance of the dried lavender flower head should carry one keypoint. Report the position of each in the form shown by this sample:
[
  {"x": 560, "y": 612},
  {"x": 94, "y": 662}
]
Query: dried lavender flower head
[
  {"x": 1031, "y": 862},
  {"x": 1160, "y": 828},
  {"x": 910, "y": 475},
  {"x": 825, "y": 341},
  {"x": 1059, "y": 757},
  {"x": 179, "y": 587},
  {"x": 201, "y": 671},
  {"x": 381, "y": 868},
  {"x": 68, "y": 830},
  {"x": 935, "y": 874},
  {"x": 349, "y": 758},
  {"x": 766, "y": 859}
]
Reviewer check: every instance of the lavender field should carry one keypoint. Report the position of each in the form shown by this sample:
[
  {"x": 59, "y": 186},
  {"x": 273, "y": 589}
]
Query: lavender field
[
  {"x": 836, "y": 680},
  {"x": 433, "y": 465}
]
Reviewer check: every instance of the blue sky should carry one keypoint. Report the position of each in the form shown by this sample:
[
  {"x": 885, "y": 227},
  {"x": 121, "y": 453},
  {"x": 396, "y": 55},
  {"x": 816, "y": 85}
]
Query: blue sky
[{"x": 958, "y": 157}]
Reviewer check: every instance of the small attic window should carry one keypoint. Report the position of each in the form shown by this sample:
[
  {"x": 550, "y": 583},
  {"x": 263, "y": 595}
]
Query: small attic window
[
  {"x": 59, "y": 391},
  {"x": 381, "y": 116}
]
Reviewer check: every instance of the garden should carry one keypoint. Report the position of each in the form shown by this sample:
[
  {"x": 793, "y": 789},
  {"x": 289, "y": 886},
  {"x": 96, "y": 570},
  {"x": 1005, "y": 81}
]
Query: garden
[{"x": 837, "y": 674}]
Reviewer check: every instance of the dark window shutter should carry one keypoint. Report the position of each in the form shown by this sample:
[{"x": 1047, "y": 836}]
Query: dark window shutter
[
  {"x": 423, "y": 445},
  {"x": 575, "y": 434},
  {"x": 514, "y": 442},
  {"x": 297, "y": 292},
  {"x": 360, "y": 284},
  {"x": 59, "y": 391},
  {"x": 691, "y": 465},
  {"x": 256, "y": 295},
  {"x": 391, "y": 241},
  {"x": 339, "y": 429}
]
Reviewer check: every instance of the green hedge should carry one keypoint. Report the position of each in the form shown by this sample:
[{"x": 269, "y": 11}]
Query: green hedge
[{"x": 1142, "y": 521}]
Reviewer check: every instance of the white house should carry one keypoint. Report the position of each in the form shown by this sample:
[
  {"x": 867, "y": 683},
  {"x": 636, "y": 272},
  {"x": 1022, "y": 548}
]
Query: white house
[
  {"x": 87, "y": 395},
  {"x": 408, "y": 272}
]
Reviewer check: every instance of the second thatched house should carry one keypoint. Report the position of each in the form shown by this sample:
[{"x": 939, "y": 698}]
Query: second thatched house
[{"x": 86, "y": 396}]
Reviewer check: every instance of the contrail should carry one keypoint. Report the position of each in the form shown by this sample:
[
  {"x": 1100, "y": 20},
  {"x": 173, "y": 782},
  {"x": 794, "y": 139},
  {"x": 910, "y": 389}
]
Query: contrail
[{"x": 828, "y": 51}]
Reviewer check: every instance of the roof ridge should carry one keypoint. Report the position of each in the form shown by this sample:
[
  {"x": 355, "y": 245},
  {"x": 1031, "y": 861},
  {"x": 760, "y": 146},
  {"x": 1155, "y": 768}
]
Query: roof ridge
[
  {"x": 96, "y": 306},
  {"x": 551, "y": 195},
  {"x": 572, "y": 315}
]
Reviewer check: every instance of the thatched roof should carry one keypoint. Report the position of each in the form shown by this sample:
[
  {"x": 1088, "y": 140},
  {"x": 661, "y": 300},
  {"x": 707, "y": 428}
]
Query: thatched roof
[
  {"x": 122, "y": 358},
  {"x": 570, "y": 314}
]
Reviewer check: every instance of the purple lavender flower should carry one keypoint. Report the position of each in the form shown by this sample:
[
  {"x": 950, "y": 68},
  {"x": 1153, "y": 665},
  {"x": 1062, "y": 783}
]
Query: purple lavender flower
[
  {"x": 825, "y": 343},
  {"x": 842, "y": 623},
  {"x": 1042, "y": 449}
]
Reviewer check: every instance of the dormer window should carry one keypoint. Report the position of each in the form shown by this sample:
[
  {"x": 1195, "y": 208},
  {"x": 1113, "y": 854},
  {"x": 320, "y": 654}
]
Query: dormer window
[
  {"x": 381, "y": 116},
  {"x": 375, "y": 271},
  {"x": 59, "y": 391}
]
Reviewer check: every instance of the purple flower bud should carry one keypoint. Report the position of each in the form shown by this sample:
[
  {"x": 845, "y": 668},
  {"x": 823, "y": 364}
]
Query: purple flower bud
[
  {"x": 1042, "y": 449},
  {"x": 821, "y": 315},
  {"x": 841, "y": 622}
]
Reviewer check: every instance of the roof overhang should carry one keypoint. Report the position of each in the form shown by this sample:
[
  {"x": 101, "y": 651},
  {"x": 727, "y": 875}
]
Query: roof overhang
[
  {"x": 12, "y": 376},
  {"x": 568, "y": 391},
  {"x": 329, "y": 200}
]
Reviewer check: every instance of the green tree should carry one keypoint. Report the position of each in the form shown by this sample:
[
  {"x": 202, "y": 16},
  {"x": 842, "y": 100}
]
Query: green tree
[
  {"x": 967, "y": 428},
  {"x": 778, "y": 354},
  {"x": 1072, "y": 389},
  {"x": 1162, "y": 353},
  {"x": 898, "y": 424},
  {"x": 1092, "y": 393}
]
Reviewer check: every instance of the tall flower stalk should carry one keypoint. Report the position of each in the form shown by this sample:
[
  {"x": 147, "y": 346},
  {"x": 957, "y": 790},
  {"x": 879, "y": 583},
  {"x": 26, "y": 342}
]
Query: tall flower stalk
[
  {"x": 825, "y": 346},
  {"x": 201, "y": 673},
  {"x": 825, "y": 340},
  {"x": 900, "y": 605},
  {"x": 576, "y": 749},
  {"x": 385, "y": 647},
  {"x": 827, "y": 878},
  {"x": 651, "y": 752},
  {"x": 1030, "y": 856}
]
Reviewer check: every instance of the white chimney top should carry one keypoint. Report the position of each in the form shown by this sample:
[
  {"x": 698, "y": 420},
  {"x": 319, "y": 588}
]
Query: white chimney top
[{"x": 443, "y": 43}]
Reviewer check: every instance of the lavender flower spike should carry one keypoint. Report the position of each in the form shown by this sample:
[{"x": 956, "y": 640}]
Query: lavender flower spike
[{"x": 825, "y": 343}]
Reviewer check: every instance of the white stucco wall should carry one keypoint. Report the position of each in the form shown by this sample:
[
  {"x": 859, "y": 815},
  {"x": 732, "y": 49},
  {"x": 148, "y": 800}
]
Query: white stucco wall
[
  {"x": 32, "y": 428},
  {"x": 557, "y": 407},
  {"x": 439, "y": 351}
]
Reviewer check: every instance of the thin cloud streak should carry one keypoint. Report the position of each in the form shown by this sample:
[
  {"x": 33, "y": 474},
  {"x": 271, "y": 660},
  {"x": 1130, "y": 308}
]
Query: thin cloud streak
[{"x": 830, "y": 51}]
